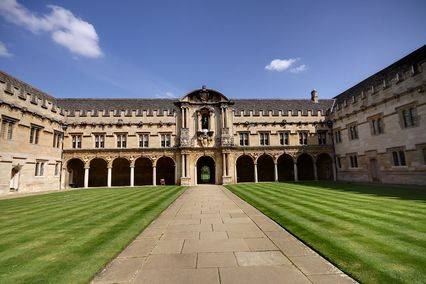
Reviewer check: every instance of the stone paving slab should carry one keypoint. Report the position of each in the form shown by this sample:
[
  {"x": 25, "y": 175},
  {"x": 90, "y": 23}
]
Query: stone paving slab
[{"x": 209, "y": 235}]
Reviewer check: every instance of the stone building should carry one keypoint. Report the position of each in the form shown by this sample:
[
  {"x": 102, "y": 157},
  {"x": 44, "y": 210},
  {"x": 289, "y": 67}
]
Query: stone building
[{"x": 49, "y": 143}]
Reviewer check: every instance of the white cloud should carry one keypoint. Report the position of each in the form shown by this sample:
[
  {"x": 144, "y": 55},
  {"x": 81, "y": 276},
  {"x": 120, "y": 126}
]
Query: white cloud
[
  {"x": 166, "y": 95},
  {"x": 77, "y": 35},
  {"x": 3, "y": 51},
  {"x": 280, "y": 65},
  {"x": 299, "y": 69}
]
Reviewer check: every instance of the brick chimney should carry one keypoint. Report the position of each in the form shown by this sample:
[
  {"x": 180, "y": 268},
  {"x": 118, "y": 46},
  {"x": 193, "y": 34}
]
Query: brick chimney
[{"x": 314, "y": 96}]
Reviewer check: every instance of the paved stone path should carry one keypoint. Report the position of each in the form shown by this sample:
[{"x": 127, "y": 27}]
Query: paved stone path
[{"x": 209, "y": 235}]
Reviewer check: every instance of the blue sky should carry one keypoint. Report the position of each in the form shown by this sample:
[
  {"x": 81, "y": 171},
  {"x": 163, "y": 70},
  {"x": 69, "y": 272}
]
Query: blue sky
[{"x": 146, "y": 49}]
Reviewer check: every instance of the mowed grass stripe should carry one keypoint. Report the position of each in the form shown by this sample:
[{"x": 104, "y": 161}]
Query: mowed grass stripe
[
  {"x": 346, "y": 212},
  {"x": 323, "y": 239},
  {"x": 63, "y": 207},
  {"x": 325, "y": 194},
  {"x": 89, "y": 245},
  {"x": 87, "y": 240},
  {"x": 369, "y": 253},
  {"x": 112, "y": 209},
  {"x": 321, "y": 215}
]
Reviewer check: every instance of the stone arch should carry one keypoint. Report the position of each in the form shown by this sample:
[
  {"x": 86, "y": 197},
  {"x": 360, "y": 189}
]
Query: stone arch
[
  {"x": 120, "y": 172},
  {"x": 305, "y": 167},
  {"x": 166, "y": 170},
  {"x": 98, "y": 173},
  {"x": 206, "y": 170},
  {"x": 324, "y": 166},
  {"x": 143, "y": 171},
  {"x": 265, "y": 168},
  {"x": 75, "y": 169},
  {"x": 285, "y": 164},
  {"x": 245, "y": 168}
]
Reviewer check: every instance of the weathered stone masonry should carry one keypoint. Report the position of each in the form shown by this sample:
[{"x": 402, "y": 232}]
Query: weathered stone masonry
[{"x": 373, "y": 132}]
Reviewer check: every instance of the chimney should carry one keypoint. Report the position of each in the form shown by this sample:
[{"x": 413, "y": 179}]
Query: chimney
[{"x": 314, "y": 96}]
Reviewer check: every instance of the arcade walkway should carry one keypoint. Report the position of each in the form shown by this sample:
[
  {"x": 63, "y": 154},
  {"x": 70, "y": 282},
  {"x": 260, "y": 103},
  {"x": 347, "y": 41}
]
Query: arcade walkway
[{"x": 209, "y": 235}]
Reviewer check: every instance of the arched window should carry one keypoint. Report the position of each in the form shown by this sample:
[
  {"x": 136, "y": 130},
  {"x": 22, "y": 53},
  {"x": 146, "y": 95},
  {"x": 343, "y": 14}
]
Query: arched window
[{"x": 205, "y": 120}]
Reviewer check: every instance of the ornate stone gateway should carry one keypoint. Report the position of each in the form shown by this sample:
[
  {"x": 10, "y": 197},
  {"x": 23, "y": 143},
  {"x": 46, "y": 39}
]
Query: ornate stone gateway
[{"x": 206, "y": 170}]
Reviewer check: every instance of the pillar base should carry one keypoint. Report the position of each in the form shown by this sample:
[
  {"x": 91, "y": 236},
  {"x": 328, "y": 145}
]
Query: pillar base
[
  {"x": 185, "y": 181},
  {"x": 226, "y": 180}
]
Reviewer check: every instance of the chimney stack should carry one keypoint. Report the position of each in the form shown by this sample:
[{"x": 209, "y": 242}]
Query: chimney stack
[{"x": 314, "y": 96}]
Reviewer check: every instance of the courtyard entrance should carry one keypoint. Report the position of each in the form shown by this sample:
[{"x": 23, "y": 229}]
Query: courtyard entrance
[{"x": 206, "y": 170}]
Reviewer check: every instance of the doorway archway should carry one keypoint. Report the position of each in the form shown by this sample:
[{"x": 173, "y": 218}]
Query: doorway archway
[
  {"x": 14, "y": 178},
  {"x": 245, "y": 169},
  {"x": 206, "y": 171},
  {"x": 166, "y": 170},
  {"x": 75, "y": 169},
  {"x": 265, "y": 168},
  {"x": 324, "y": 167}
]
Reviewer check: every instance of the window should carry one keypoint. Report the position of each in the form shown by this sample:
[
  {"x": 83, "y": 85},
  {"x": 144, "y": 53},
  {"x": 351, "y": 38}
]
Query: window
[
  {"x": 322, "y": 137},
  {"x": 144, "y": 140},
  {"x": 409, "y": 117},
  {"x": 76, "y": 141},
  {"x": 354, "y": 161},
  {"x": 353, "y": 132},
  {"x": 57, "y": 138},
  {"x": 99, "y": 141},
  {"x": 264, "y": 138},
  {"x": 424, "y": 155},
  {"x": 376, "y": 125},
  {"x": 165, "y": 140},
  {"x": 338, "y": 162},
  {"x": 244, "y": 138},
  {"x": 303, "y": 138},
  {"x": 338, "y": 136},
  {"x": 39, "y": 169},
  {"x": 34, "y": 134},
  {"x": 57, "y": 168},
  {"x": 284, "y": 138},
  {"x": 398, "y": 157},
  {"x": 121, "y": 140},
  {"x": 7, "y": 127}
]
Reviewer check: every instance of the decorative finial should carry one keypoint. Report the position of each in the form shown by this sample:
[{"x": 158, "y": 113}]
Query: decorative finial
[{"x": 314, "y": 96}]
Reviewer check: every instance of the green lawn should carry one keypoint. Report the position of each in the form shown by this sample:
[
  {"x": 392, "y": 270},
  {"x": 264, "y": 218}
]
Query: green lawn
[
  {"x": 376, "y": 234},
  {"x": 69, "y": 236}
]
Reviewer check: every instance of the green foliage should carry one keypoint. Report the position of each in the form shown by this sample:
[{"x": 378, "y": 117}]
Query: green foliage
[
  {"x": 68, "y": 237},
  {"x": 375, "y": 233}
]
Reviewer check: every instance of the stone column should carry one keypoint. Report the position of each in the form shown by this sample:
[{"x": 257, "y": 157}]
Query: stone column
[
  {"x": 255, "y": 172},
  {"x": 86, "y": 177},
  {"x": 109, "y": 176},
  {"x": 154, "y": 175},
  {"x": 224, "y": 164},
  {"x": 183, "y": 165},
  {"x": 295, "y": 171},
  {"x": 195, "y": 175},
  {"x": 132, "y": 175},
  {"x": 275, "y": 171},
  {"x": 315, "y": 171}
]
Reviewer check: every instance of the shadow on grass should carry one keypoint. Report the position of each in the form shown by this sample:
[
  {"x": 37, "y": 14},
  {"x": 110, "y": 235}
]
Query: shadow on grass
[{"x": 403, "y": 192}]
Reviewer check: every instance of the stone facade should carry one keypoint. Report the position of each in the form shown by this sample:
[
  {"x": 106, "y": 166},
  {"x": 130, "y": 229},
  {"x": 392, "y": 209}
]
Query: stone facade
[
  {"x": 205, "y": 137},
  {"x": 387, "y": 111}
]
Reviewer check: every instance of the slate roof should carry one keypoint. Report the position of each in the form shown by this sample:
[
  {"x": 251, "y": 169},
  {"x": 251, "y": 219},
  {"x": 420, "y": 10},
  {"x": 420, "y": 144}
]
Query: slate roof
[
  {"x": 24, "y": 86},
  {"x": 117, "y": 104},
  {"x": 404, "y": 64},
  {"x": 276, "y": 105}
]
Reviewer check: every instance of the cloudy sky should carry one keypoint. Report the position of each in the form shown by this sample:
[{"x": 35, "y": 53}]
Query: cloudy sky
[{"x": 245, "y": 48}]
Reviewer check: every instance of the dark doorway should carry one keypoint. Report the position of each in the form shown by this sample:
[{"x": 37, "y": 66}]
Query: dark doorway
[
  {"x": 305, "y": 167},
  {"x": 285, "y": 168},
  {"x": 98, "y": 173},
  {"x": 143, "y": 171},
  {"x": 245, "y": 169},
  {"x": 324, "y": 167},
  {"x": 374, "y": 170},
  {"x": 121, "y": 172},
  {"x": 75, "y": 169},
  {"x": 206, "y": 170},
  {"x": 166, "y": 170},
  {"x": 265, "y": 168}
]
